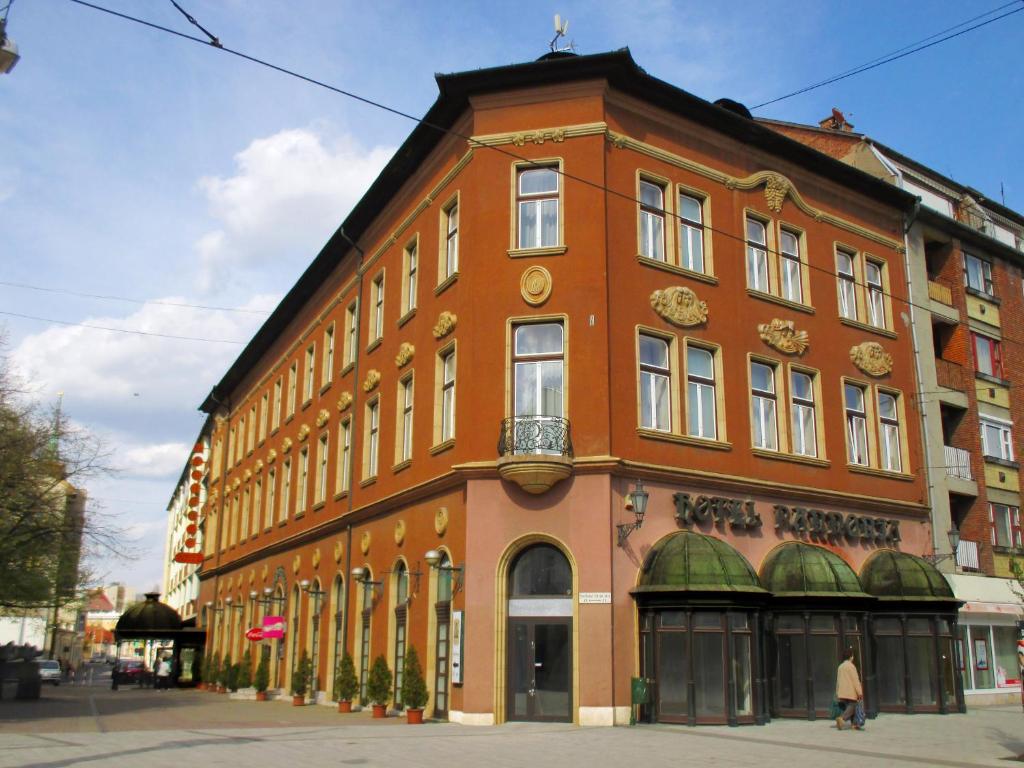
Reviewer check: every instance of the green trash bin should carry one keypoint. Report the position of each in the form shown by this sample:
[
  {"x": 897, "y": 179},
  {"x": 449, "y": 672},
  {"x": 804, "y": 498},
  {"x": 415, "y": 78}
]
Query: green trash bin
[{"x": 640, "y": 691}]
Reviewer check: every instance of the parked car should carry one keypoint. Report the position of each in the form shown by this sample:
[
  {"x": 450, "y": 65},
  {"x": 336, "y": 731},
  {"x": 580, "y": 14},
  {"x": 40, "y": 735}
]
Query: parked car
[
  {"x": 49, "y": 670},
  {"x": 130, "y": 671}
]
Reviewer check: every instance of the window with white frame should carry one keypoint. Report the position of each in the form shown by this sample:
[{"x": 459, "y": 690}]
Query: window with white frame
[
  {"x": 243, "y": 525},
  {"x": 308, "y": 384},
  {"x": 264, "y": 415},
  {"x": 411, "y": 264},
  {"x": 351, "y": 334},
  {"x": 978, "y": 274},
  {"x": 997, "y": 439},
  {"x": 1006, "y": 525},
  {"x": 372, "y": 438},
  {"x": 856, "y": 425},
  {"x": 789, "y": 260},
  {"x": 293, "y": 375},
  {"x": 847, "y": 275},
  {"x": 271, "y": 497},
  {"x": 250, "y": 435},
  {"x": 803, "y": 416},
  {"x": 327, "y": 374},
  {"x": 876, "y": 294},
  {"x": 655, "y": 384},
  {"x": 448, "y": 396},
  {"x": 700, "y": 393},
  {"x": 286, "y": 489},
  {"x": 302, "y": 490},
  {"x": 652, "y": 220},
  {"x": 320, "y": 491},
  {"x": 405, "y": 404},
  {"x": 691, "y": 233},
  {"x": 889, "y": 432},
  {"x": 377, "y": 319},
  {"x": 763, "y": 407},
  {"x": 278, "y": 386},
  {"x": 451, "y": 241},
  {"x": 757, "y": 256},
  {"x": 344, "y": 454},
  {"x": 257, "y": 505},
  {"x": 537, "y": 206}
]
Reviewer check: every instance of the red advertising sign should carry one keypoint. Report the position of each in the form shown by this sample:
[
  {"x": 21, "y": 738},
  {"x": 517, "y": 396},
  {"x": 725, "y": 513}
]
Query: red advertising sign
[
  {"x": 255, "y": 634},
  {"x": 273, "y": 627},
  {"x": 194, "y": 558}
]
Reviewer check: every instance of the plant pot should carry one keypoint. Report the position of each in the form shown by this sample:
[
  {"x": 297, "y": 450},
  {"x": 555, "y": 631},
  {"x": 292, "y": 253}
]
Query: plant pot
[
  {"x": 298, "y": 700},
  {"x": 222, "y": 689},
  {"x": 380, "y": 710},
  {"x": 345, "y": 706},
  {"x": 414, "y": 716},
  {"x": 200, "y": 686},
  {"x": 261, "y": 695}
]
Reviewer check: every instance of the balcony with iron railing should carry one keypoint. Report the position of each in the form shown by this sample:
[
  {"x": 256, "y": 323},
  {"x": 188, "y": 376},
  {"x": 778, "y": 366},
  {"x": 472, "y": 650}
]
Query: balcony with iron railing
[
  {"x": 535, "y": 452},
  {"x": 967, "y": 555}
]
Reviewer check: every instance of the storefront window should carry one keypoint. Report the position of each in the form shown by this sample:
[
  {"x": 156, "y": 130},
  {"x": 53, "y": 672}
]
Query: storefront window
[
  {"x": 981, "y": 657},
  {"x": 889, "y": 662},
  {"x": 1006, "y": 666}
]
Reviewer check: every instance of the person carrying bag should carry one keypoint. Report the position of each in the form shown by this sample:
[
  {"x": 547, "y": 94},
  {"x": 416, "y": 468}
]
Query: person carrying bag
[{"x": 849, "y": 692}]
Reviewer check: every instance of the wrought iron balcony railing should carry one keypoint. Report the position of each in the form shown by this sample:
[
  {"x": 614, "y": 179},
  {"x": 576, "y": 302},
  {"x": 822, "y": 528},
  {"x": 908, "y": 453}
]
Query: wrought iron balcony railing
[{"x": 540, "y": 435}]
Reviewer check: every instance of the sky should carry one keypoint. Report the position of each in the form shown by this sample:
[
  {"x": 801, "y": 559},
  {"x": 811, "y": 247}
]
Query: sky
[{"x": 156, "y": 172}]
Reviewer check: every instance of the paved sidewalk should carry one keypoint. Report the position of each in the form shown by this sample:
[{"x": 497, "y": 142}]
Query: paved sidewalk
[{"x": 153, "y": 730}]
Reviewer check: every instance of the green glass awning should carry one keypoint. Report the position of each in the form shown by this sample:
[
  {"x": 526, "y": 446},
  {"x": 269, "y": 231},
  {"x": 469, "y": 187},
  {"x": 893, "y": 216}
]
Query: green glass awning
[
  {"x": 892, "y": 575},
  {"x": 797, "y": 569},
  {"x": 686, "y": 561}
]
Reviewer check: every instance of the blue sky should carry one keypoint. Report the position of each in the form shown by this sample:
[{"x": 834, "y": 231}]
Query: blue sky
[{"x": 138, "y": 165}]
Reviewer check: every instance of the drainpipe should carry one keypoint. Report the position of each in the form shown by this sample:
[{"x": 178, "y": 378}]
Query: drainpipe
[
  {"x": 352, "y": 432},
  {"x": 926, "y": 463}
]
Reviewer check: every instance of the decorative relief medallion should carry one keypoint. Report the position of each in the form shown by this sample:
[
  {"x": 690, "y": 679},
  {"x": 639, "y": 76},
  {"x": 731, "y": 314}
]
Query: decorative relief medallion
[
  {"x": 441, "y": 520},
  {"x": 296, "y": 564},
  {"x": 344, "y": 401},
  {"x": 218, "y": 424},
  {"x": 339, "y": 550},
  {"x": 372, "y": 380},
  {"x": 271, "y": 456},
  {"x": 776, "y": 188},
  {"x": 535, "y": 285},
  {"x": 259, "y": 466},
  {"x": 264, "y": 572},
  {"x": 399, "y": 532},
  {"x": 364, "y": 543},
  {"x": 286, "y": 446},
  {"x": 322, "y": 417},
  {"x": 405, "y": 353},
  {"x": 783, "y": 336},
  {"x": 680, "y": 306},
  {"x": 539, "y": 137},
  {"x": 303, "y": 433},
  {"x": 871, "y": 358},
  {"x": 316, "y": 557},
  {"x": 445, "y": 324}
]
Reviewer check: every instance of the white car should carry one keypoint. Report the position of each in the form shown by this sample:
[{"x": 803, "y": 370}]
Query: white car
[{"x": 49, "y": 670}]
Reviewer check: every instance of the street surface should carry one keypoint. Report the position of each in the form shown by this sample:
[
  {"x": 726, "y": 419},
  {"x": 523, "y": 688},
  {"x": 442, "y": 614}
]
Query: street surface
[{"x": 83, "y": 725}]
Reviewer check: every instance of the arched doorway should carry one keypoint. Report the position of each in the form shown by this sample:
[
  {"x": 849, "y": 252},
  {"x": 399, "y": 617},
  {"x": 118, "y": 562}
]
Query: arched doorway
[{"x": 540, "y": 607}]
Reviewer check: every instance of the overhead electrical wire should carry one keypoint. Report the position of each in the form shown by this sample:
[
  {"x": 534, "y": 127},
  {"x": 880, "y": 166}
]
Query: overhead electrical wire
[
  {"x": 105, "y": 297},
  {"x": 520, "y": 158},
  {"x": 120, "y": 330}
]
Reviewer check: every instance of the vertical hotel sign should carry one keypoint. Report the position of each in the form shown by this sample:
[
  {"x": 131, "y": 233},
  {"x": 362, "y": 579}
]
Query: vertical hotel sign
[
  {"x": 457, "y": 631},
  {"x": 188, "y": 553}
]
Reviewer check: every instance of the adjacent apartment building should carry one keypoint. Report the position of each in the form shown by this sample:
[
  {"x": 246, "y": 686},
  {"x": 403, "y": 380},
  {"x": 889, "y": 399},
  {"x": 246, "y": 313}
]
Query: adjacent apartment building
[
  {"x": 965, "y": 255},
  {"x": 603, "y": 395}
]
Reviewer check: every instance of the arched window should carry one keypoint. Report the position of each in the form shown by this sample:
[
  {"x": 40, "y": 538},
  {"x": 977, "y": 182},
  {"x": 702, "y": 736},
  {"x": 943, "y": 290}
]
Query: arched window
[
  {"x": 364, "y": 638},
  {"x": 294, "y": 656},
  {"x": 443, "y": 612},
  {"x": 316, "y": 605},
  {"x": 401, "y": 574},
  {"x": 338, "y": 598},
  {"x": 541, "y": 571}
]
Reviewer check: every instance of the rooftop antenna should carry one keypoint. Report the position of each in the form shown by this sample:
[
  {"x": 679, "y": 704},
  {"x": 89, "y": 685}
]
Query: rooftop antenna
[{"x": 561, "y": 27}]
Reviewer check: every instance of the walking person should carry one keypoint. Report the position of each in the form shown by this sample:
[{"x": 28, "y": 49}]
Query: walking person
[
  {"x": 848, "y": 689},
  {"x": 163, "y": 674}
]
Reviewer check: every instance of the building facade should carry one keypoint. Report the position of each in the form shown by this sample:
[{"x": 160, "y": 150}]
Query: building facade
[
  {"x": 576, "y": 397},
  {"x": 965, "y": 254}
]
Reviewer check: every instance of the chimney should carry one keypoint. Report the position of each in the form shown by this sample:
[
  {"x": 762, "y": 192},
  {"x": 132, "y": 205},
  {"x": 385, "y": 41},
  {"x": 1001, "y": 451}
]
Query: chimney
[{"x": 836, "y": 122}]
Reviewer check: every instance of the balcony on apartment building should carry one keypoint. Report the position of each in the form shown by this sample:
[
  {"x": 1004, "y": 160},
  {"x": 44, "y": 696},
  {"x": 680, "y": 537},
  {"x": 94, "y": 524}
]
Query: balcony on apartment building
[
  {"x": 959, "y": 477},
  {"x": 535, "y": 452},
  {"x": 967, "y": 555}
]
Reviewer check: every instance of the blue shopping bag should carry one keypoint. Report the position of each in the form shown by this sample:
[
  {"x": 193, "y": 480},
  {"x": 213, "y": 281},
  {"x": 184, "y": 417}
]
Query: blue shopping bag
[{"x": 858, "y": 715}]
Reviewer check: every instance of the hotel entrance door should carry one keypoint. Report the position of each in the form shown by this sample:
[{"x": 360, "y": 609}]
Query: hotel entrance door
[{"x": 540, "y": 665}]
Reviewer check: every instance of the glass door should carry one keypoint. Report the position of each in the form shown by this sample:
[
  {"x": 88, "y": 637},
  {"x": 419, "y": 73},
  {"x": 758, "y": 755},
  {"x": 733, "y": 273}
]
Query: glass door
[{"x": 540, "y": 666}]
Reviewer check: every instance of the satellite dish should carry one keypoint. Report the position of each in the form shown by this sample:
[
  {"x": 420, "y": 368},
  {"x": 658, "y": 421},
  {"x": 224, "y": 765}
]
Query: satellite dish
[{"x": 561, "y": 27}]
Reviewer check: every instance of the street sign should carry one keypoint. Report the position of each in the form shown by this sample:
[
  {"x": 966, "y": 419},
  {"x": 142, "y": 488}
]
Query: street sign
[{"x": 255, "y": 634}]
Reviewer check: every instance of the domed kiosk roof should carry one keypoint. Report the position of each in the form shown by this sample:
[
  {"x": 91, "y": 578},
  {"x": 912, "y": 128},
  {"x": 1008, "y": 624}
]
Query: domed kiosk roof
[
  {"x": 796, "y": 569},
  {"x": 686, "y": 561},
  {"x": 892, "y": 575},
  {"x": 148, "y": 618}
]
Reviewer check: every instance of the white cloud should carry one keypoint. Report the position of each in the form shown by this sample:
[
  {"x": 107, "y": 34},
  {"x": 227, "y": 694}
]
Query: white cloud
[
  {"x": 290, "y": 192},
  {"x": 157, "y": 460}
]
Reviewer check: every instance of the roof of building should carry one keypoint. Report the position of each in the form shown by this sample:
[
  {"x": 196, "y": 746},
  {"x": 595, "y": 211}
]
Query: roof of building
[
  {"x": 148, "y": 617},
  {"x": 798, "y": 569},
  {"x": 892, "y": 575},
  {"x": 99, "y": 602},
  {"x": 621, "y": 72},
  {"x": 689, "y": 561}
]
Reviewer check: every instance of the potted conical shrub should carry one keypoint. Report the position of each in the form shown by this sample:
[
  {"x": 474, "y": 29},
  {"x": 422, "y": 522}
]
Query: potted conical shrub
[
  {"x": 244, "y": 677},
  {"x": 300, "y": 680},
  {"x": 233, "y": 672},
  {"x": 261, "y": 680},
  {"x": 414, "y": 688},
  {"x": 346, "y": 684},
  {"x": 213, "y": 673},
  {"x": 224, "y": 674},
  {"x": 378, "y": 687},
  {"x": 204, "y": 672}
]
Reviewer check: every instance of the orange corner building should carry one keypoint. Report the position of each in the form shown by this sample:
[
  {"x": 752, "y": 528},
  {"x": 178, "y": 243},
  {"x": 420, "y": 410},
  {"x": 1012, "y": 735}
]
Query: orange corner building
[{"x": 601, "y": 398}]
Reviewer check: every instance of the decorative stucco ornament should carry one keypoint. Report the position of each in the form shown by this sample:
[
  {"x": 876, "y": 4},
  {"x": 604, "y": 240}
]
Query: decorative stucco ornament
[
  {"x": 364, "y": 542},
  {"x": 539, "y": 137},
  {"x": 286, "y": 446},
  {"x": 296, "y": 564},
  {"x": 316, "y": 558},
  {"x": 259, "y": 466},
  {"x": 271, "y": 456},
  {"x": 783, "y": 336},
  {"x": 399, "y": 532},
  {"x": 264, "y": 572},
  {"x": 252, "y": 576},
  {"x": 871, "y": 358},
  {"x": 344, "y": 401},
  {"x": 446, "y": 322},
  {"x": 535, "y": 285},
  {"x": 617, "y": 139},
  {"x": 339, "y": 550},
  {"x": 322, "y": 417},
  {"x": 776, "y": 188},
  {"x": 247, "y": 476},
  {"x": 405, "y": 353},
  {"x": 372, "y": 380},
  {"x": 303, "y": 433},
  {"x": 680, "y": 306},
  {"x": 441, "y": 520}
]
